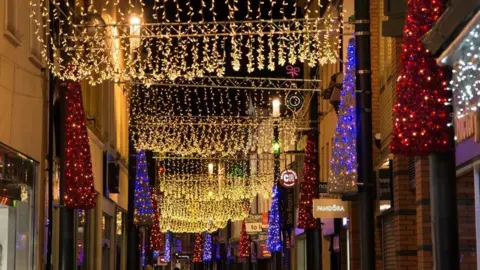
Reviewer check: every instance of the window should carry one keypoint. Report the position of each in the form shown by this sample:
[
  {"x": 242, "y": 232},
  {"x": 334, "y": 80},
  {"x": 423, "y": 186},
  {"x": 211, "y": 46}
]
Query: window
[
  {"x": 17, "y": 209},
  {"x": 36, "y": 30},
  {"x": 106, "y": 237},
  {"x": 93, "y": 103},
  {"x": 11, "y": 21},
  {"x": 120, "y": 240}
]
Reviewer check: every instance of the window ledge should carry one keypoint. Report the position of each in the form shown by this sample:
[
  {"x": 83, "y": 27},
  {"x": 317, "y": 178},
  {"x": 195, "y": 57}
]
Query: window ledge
[
  {"x": 12, "y": 38},
  {"x": 36, "y": 60}
]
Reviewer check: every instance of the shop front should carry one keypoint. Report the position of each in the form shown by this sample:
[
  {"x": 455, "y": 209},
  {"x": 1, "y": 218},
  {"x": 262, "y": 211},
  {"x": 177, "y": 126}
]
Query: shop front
[
  {"x": 459, "y": 50},
  {"x": 18, "y": 177}
]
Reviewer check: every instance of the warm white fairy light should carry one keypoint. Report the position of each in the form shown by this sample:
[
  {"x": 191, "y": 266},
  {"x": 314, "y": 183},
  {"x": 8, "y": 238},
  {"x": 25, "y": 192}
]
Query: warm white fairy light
[{"x": 466, "y": 80}]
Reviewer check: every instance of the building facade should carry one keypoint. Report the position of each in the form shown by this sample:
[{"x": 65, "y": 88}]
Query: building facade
[
  {"x": 23, "y": 127},
  {"x": 100, "y": 233}
]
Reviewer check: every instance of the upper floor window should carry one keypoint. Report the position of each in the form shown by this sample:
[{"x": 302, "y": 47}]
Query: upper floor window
[
  {"x": 11, "y": 21},
  {"x": 36, "y": 31}
]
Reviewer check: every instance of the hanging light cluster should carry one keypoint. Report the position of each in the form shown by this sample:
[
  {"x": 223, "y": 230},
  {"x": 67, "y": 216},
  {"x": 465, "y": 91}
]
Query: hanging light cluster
[
  {"x": 465, "y": 83},
  {"x": 207, "y": 188},
  {"x": 197, "y": 199},
  {"x": 181, "y": 39},
  {"x": 225, "y": 136},
  {"x": 219, "y": 211},
  {"x": 161, "y": 118}
]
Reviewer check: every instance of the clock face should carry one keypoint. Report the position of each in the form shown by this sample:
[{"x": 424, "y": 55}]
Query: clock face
[{"x": 288, "y": 178}]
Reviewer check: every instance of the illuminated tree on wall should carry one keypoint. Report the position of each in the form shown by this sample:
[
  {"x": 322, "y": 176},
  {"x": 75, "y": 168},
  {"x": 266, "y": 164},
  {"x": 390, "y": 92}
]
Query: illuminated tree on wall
[
  {"x": 143, "y": 214},
  {"x": 420, "y": 115},
  {"x": 79, "y": 190},
  {"x": 343, "y": 165},
  {"x": 244, "y": 245},
  {"x": 166, "y": 252},
  {"x": 156, "y": 241},
  {"x": 197, "y": 249},
  {"x": 309, "y": 189},
  {"x": 207, "y": 247},
  {"x": 274, "y": 242}
]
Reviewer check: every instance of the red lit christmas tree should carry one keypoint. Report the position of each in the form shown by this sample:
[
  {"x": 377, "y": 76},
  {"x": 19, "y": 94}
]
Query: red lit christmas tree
[
  {"x": 79, "y": 190},
  {"x": 197, "y": 249},
  {"x": 156, "y": 239},
  {"x": 244, "y": 245},
  {"x": 309, "y": 189},
  {"x": 420, "y": 115}
]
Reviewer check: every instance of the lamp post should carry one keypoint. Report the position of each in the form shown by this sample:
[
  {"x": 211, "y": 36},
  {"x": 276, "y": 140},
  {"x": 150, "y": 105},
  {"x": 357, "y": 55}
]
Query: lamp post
[{"x": 364, "y": 134}]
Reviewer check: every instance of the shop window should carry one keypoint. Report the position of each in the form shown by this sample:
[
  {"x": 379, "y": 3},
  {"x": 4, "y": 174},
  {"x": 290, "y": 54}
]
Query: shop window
[
  {"x": 120, "y": 239},
  {"x": 17, "y": 211},
  {"x": 106, "y": 240}
]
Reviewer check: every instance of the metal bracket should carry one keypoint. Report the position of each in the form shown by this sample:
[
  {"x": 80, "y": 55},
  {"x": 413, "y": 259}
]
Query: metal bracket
[
  {"x": 364, "y": 71},
  {"x": 362, "y": 33},
  {"x": 364, "y": 185},
  {"x": 361, "y": 21}
]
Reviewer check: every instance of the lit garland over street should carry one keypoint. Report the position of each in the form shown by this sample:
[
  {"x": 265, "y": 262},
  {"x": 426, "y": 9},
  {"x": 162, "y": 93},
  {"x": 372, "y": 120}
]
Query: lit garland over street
[{"x": 100, "y": 49}]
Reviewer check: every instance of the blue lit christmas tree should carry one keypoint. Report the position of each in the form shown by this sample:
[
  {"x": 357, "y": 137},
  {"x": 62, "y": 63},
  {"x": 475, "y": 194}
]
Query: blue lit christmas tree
[
  {"x": 274, "y": 242},
  {"x": 166, "y": 252},
  {"x": 207, "y": 247},
  {"x": 144, "y": 213},
  {"x": 343, "y": 165}
]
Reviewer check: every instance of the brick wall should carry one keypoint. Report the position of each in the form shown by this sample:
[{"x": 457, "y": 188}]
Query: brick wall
[
  {"x": 466, "y": 221},
  {"x": 424, "y": 218},
  {"x": 405, "y": 223}
]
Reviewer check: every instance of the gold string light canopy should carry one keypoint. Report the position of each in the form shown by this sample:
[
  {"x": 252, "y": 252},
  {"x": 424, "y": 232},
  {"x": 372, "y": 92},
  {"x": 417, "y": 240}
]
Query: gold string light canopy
[
  {"x": 233, "y": 179},
  {"x": 113, "y": 40},
  {"x": 204, "y": 193},
  {"x": 207, "y": 122}
]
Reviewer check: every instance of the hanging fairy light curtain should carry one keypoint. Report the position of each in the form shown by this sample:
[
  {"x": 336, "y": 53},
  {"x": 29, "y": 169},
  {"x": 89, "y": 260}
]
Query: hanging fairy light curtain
[
  {"x": 465, "y": 83},
  {"x": 420, "y": 115},
  {"x": 183, "y": 210},
  {"x": 343, "y": 165},
  {"x": 308, "y": 191},
  {"x": 182, "y": 39},
  {"x": 228, "y": 180},
  {"x": 217, "y": 121},
  {"x": 178, "y": 226},
  {"x": 79, "y": 189},
  {"x": 143, "y": 207},
  {"x": 274, "y": 241}
]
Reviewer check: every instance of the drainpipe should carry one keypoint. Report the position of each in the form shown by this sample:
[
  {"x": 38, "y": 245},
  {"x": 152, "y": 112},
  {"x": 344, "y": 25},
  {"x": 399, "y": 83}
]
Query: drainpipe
[{"x": 364, "y": 134}]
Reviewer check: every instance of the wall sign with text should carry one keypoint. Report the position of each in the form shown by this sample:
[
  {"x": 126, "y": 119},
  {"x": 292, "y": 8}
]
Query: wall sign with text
[
  {"x": 288, "y": 178},
  {"x": 330, "y": 208}
]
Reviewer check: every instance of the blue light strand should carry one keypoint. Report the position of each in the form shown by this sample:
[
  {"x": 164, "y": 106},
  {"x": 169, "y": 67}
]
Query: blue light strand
[
  {"x": 143, "y": 206},
  {"x": 207, "y": 247},
  {"x": 274, "y": 242},
  {"x": 166, "y": 252},
  {"x": 343, "y": 164}
]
